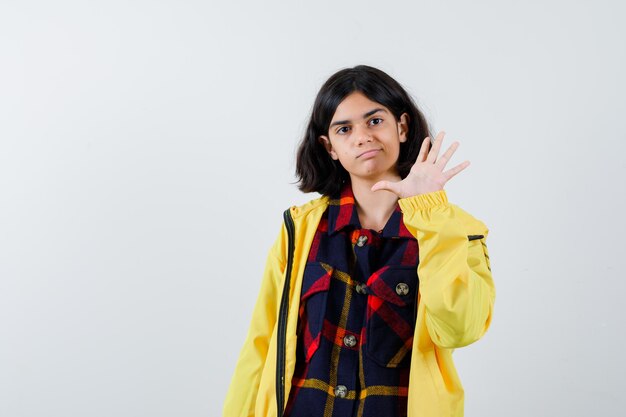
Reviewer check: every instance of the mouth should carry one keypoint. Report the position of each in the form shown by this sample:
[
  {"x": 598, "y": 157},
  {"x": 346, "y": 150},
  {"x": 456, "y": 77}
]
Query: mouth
[{"x": 368, "y": 153}]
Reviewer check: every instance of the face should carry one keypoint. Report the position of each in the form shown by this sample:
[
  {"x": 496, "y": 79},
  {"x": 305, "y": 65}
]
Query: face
[{"x": 365, "y": 138}]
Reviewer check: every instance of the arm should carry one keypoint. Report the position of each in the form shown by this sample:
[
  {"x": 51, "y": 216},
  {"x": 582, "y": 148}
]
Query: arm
[
  {"x": 456, "y": 285},
  {"x": 241, "y": 395}
]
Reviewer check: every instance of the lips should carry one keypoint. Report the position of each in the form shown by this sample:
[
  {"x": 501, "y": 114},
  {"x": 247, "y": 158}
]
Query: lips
[{"x": 368, "y": 153}]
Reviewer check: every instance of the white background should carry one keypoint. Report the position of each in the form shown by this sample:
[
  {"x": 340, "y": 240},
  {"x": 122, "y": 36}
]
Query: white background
[{"x": 147, "y": 153}]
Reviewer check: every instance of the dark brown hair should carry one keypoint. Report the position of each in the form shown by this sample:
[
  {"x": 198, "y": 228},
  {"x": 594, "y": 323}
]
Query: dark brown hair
[{"x": 315, "y": 169}]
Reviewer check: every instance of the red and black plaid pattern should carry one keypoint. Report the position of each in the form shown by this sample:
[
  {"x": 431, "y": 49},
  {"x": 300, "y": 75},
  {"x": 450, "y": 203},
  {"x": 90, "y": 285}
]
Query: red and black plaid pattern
[{"x": 356, "y": 318}]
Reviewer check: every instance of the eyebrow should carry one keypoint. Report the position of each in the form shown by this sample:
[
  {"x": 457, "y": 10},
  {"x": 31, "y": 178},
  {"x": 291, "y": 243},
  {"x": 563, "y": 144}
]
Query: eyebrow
[{"x": 369, "y": 113}]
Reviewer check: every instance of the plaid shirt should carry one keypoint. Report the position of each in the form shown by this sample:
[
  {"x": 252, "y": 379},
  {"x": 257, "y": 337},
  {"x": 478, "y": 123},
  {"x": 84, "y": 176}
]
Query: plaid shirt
[{"x": 356, "y": 318}]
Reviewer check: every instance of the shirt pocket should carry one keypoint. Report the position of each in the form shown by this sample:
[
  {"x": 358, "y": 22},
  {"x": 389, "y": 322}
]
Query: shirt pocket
[
  {"x": 391, "y": 315},
  {"x": 313, "y": 300}
]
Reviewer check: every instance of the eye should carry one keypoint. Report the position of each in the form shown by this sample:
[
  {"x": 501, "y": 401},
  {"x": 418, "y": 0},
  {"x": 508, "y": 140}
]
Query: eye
[{"x": 377, "y": 121}]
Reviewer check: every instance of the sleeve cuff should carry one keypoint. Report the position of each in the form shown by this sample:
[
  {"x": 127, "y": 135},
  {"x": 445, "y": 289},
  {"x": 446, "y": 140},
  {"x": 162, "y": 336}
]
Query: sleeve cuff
[{"x": 424, "y": 201}]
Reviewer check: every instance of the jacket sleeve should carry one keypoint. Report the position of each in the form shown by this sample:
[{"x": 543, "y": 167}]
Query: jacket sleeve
[
  {"x": 456, "y": 286},
  {"x": 242, "y": 392}
]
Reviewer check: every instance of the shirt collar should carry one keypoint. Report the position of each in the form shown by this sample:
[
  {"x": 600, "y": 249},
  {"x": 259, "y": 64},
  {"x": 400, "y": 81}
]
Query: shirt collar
[{"x": 342, "y": 213}]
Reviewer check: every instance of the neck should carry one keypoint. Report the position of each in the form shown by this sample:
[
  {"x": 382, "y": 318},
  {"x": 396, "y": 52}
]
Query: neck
[{"x": 373, "y": 207}]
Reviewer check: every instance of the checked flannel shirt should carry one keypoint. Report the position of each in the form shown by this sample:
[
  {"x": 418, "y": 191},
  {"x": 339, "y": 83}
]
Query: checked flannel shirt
[{"x": 356, "y": 318}]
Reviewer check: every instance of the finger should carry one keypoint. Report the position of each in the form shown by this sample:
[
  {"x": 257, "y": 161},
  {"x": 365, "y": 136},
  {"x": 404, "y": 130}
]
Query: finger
[
  {"x": 443, "y": 159},
  {"x": 394, "y": 187},
  {"x": 453, "y": 171},
  {"x": 432, "y": 155},
  {"x": 423, "y": 149}
]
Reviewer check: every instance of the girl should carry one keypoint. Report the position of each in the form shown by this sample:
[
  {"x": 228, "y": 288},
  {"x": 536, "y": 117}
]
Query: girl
[{"x": 368, "y": 289}]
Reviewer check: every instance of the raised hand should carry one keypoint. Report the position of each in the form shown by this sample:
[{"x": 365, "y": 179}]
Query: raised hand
[{"x": 426, "y": 174}]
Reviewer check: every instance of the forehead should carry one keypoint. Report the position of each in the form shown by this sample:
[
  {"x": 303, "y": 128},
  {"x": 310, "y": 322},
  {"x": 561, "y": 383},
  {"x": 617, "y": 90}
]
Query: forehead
[{"x": 354, "y": 106}]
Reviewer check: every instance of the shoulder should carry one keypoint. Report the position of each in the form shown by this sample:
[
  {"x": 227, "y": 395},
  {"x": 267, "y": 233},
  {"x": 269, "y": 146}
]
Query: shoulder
[
  {"x": 305, "y": 216},
  {"x": 310, "y": 207}
]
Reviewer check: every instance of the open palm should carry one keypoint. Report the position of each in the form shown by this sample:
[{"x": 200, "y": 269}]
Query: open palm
[{"x": 426, "y": 174}]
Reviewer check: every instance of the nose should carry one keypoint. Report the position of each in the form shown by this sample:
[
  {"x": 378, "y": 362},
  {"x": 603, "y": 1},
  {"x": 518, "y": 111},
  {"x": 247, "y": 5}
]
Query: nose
[{"x": 362, "y": 135}]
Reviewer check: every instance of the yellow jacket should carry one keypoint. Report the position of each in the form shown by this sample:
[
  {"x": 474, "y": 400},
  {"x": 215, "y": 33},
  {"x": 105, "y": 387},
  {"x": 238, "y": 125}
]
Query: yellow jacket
[{"x": 455, "y": 302}]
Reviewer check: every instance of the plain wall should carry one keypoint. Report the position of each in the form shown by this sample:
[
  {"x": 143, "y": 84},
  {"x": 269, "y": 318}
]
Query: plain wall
[{"x": 147, "y": 153}]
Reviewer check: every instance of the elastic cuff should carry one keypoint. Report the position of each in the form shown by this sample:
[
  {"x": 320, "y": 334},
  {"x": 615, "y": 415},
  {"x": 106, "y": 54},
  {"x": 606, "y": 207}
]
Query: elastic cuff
[{"x": 424, "y": 201}]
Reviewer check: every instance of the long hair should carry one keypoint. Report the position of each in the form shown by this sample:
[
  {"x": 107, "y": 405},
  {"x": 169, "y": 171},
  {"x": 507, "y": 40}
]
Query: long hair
[{"x": 315, "y": 169}]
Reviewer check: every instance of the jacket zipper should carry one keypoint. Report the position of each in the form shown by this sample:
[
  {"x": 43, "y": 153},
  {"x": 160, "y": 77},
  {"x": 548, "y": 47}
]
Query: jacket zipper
[{"x": 282, "y": 317}]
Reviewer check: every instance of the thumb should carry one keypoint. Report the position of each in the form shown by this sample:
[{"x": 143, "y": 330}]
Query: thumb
[{"x": 394, "y": 187}]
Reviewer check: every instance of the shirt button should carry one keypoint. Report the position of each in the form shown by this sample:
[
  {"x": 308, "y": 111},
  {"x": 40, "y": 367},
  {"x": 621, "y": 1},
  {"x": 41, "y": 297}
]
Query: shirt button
[
  {"x": 341, "y": 391},
  {"x": 361, "y": 288},
  {"x": 402, "y": 289},
  {"x": 349, "y": 340},
  {"x": 361, "y": 241}
]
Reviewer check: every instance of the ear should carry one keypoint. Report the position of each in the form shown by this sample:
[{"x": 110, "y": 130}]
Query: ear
[
  {"x": 324, "y": 140},
  {"x": 403, "y": 127}
]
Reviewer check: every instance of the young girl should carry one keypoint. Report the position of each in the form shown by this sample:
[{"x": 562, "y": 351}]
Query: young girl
[{"x": 368, "y": 289}]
